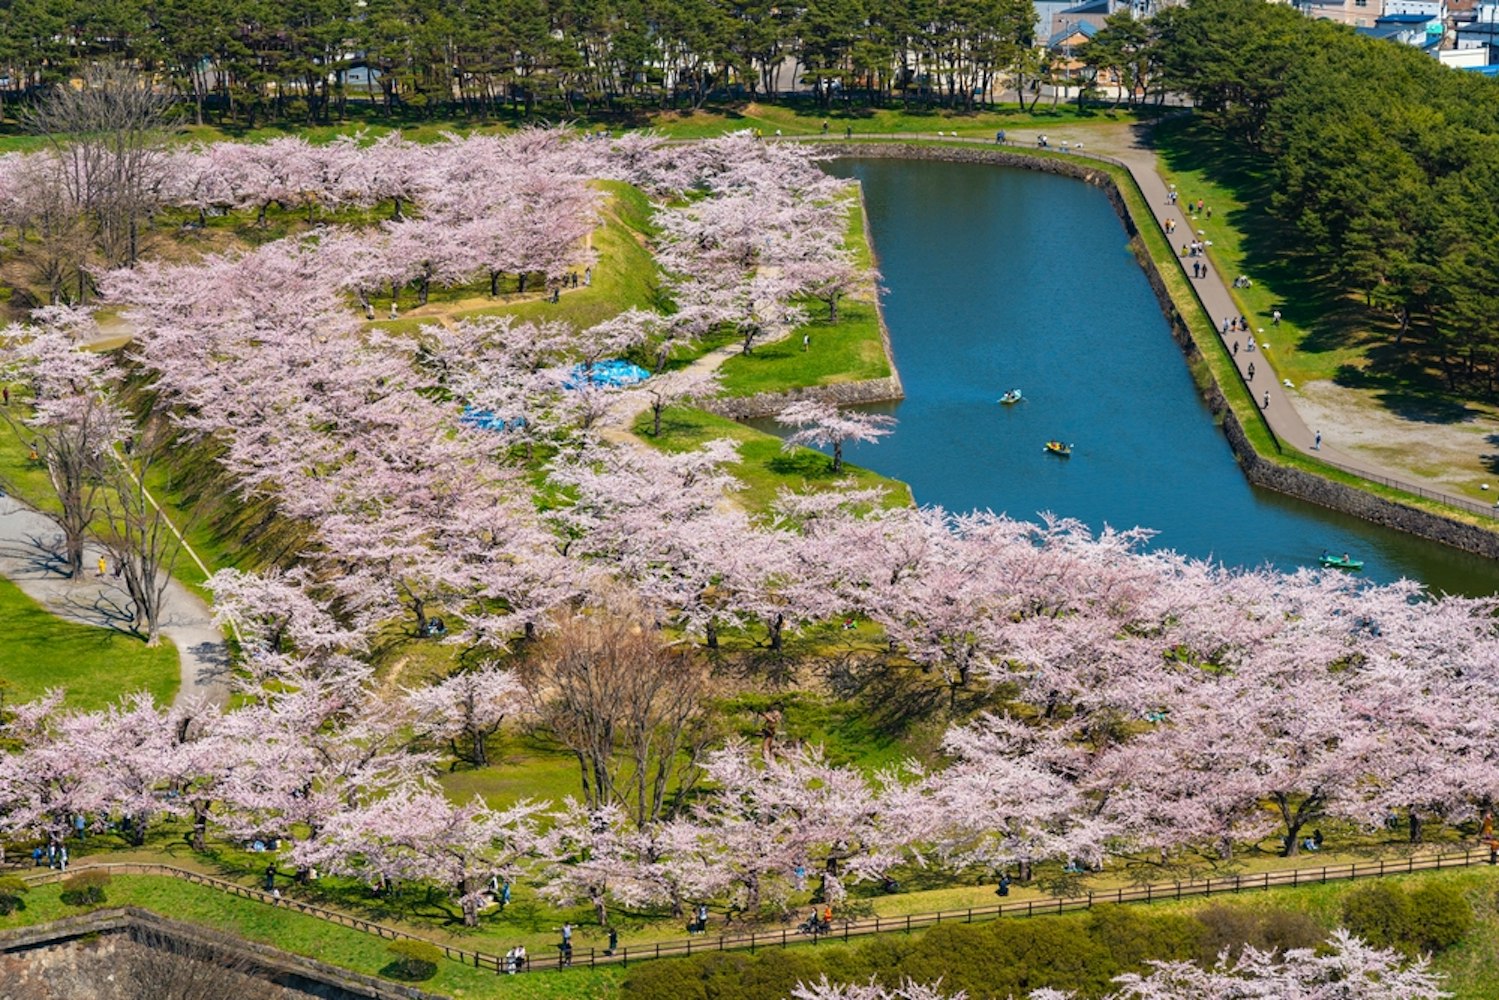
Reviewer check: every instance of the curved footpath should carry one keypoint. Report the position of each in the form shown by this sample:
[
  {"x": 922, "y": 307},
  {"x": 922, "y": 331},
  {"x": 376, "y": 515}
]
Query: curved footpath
[
  {"x": 30, "y": 556},
  {"x": 1130, "y": 148}
]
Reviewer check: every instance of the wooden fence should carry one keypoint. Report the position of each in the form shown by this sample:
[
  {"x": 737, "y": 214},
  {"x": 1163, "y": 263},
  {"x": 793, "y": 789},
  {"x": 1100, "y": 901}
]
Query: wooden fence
[{"x": 844, "y": 930}]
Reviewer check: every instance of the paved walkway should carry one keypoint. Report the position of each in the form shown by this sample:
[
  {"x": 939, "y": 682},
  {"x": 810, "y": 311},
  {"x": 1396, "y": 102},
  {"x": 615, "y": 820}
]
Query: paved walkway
[{"x": 31, "y": 557}]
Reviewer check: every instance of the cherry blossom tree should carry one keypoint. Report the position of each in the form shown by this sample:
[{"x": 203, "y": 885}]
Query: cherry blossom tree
[
  {"x": 822, "y": 425},
  {"x": 467, "y": 709},
  {"x": 594, "y": 854},
  {"x": 417, "y": 834},
  {"x": 73, "y": 421},
  {"x": 1349, "y": 970}
]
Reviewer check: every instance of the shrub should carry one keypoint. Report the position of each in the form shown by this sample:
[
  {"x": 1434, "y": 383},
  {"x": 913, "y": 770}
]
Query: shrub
[
  {"x": 85, "y": 889},
  {"x": 1134, "y": 938},
  {"x": 1431, "y": 918},
  {"x": 1439, "y": 917},
  {"x": 1230, "y": 928},
  {"x": 11, "y": 891},
  {"x": 413, "y": 960},
  {"x": 1378, "y": 913}
]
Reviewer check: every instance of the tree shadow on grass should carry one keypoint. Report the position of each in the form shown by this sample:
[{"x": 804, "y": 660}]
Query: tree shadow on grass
[
  {"x": 1490, "y": 460},
  {"x": 809, "y": 464},
  {"x": 1331, "y": 319},
  {"x": 1271, "y": 247}
]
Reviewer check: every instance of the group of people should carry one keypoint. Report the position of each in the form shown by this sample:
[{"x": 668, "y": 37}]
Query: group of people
[
  {"x": 1233, "y": 324},
  {"x": 56, "y": 855},
  {"x": 515, "y": 959},
  {"x": 817, "y": 922}
]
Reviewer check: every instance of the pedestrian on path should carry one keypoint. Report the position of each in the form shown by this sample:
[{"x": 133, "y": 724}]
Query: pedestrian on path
[
  {"x": 1236, "y": 348},
  {"x": 1251, "y": 371},
  {"x": 1267, "y": 400},
  {"x": 103, "y": 566},
  {"x": 1317, "y": 442},
  {"x": 1225, "y": 326}
]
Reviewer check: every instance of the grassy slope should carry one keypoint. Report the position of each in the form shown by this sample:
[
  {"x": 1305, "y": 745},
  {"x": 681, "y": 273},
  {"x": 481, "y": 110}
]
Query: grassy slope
[
  {"x": 1322, "y": 335},
  {"x": 41, "y": 651},
  {"x": 1470, "y": 967},
  {"x": 314, "y": 938}
]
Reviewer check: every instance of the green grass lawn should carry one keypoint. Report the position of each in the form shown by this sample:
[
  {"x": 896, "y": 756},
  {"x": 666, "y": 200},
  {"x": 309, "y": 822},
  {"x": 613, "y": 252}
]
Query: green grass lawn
[
  {"x": 314, "y": 938},
  {"x": 40, "y": 651},
  {"x": 806, "y": 118},
  {"x": 850, "y": 350},
  {"x": 798, "y": 117},
  {"x": 763, "y": 468},
  {"x": 847, "y": 351}
]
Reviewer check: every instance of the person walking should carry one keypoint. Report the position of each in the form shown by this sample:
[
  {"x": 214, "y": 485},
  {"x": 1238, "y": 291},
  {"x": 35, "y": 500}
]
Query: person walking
[
  {"x": 1250, "y": 372},
  {"x": 1267, "y": 400},
  {"x": 1317, "y": 442},
  {"x": 103, "y": 566}
]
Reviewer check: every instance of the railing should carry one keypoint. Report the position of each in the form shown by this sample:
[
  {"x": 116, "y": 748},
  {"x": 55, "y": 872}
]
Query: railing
[{"x": 846, "y": 929}]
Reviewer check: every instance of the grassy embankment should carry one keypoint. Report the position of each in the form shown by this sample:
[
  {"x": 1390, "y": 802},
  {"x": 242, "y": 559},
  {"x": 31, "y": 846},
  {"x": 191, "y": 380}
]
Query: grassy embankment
[{"x": 1470, "y": 966}]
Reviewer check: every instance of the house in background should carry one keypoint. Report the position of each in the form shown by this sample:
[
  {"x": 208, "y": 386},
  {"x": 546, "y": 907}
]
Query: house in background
[
  {"x": 1423, "y": 31},
  {"x": 1359, "y": 13}
]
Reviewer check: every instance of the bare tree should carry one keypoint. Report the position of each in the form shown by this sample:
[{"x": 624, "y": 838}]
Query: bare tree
[
  {"x": 205, "y": 966},
  {"x": 107, "y": 136},
  {"x": 57, "y": 239},
  {"x": 143, "y": 543},
  {"x": 631, "y": 709}
]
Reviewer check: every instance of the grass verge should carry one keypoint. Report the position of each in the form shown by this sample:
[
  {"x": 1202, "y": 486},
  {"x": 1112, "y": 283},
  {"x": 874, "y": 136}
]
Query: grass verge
[{"x": 95, "y": 665}]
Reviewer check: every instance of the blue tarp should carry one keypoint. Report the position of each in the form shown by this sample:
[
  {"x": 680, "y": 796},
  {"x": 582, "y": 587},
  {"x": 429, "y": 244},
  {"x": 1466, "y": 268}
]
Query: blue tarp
[
  {"x": 487, "y": 421},
  {"x": 611, "y": 374}
]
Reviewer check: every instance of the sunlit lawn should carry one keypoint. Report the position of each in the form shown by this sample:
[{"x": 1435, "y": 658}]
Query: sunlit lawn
[
  {"x": 763, "y": 467},
  {"x": 40, "y": 651}
]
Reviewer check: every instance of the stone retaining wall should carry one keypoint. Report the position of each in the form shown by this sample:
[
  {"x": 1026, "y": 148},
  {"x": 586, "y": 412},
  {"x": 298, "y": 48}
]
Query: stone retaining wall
[
  {"x": 1257, "y": 469},
  {"x": 768, "y": 404},
  {"x": 76, "y": 958}
]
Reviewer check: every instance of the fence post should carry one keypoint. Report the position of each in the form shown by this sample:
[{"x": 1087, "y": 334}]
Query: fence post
[{"x": 752, "y": 942}]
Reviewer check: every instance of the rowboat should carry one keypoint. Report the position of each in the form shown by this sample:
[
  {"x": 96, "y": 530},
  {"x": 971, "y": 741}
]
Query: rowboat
[
  {"x": 1013, "y": 396},
  {"x": 1343, "y": 561},
  {"x": 1058, "y": 448}
]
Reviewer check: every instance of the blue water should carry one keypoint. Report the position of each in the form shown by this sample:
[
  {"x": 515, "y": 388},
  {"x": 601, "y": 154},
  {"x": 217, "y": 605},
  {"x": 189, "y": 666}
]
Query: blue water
[{"x": 1000, "y": 278}]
